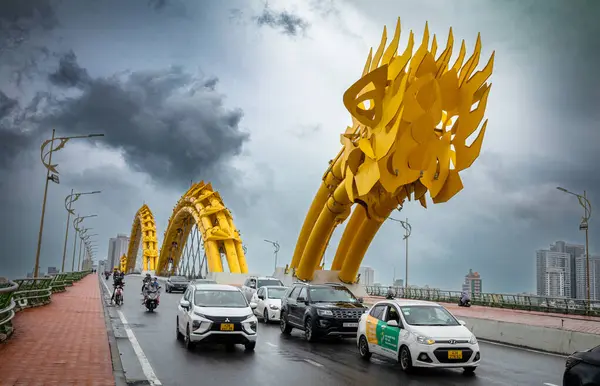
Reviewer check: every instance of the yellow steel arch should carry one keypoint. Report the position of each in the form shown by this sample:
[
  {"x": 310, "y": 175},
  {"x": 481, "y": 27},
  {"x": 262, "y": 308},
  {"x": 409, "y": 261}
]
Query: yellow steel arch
[
  {"x": 143, "y": 230},
  {"x": 204, "y": 207},
  {"x": 411, "y": 115}
]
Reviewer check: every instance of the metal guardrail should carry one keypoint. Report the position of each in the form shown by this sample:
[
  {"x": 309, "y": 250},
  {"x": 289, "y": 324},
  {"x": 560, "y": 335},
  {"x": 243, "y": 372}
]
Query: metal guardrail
[
  {"x": 516, "y": 302},
  {"x": 30, "y": 292},
  {"x": 7, "y": 309}
]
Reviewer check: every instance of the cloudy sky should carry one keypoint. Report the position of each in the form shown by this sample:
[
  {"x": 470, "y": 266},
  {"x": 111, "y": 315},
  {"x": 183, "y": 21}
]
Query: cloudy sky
[{"x": 248, "y": 96}]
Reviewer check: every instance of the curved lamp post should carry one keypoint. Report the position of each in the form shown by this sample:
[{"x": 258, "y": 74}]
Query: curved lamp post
[
  {"x": 76, "y": 223},
  {"x": 587, "y": 213},
  {"x": 276, "y": 246},
  {"x": 69, "y": 200},
  {"x": 51, "y": 175},
  {"x": 407, "y": 231}
]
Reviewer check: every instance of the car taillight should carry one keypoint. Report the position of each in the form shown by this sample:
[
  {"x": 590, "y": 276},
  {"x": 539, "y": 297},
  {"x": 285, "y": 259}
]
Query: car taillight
[{"x": 571, "y": 361}]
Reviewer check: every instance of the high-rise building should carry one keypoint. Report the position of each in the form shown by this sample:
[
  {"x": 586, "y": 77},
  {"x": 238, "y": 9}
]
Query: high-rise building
[
  {"x": 581, "y": 277},
  {"x": 553, "y": 274},
  {"x": 399, "y": 283},
  {"x": 473, "y": 283},
  {"x": 367, "y": 276},
  {"x": 574, "y": 250},
  {"x": 117, "y": 247},
  {"x": 52, "y": 271}
]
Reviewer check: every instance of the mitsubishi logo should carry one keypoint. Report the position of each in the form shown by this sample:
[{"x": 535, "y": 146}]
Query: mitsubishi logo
[
  {"x": 227, "y": 320},
  {"x": 452, "y": 341}
]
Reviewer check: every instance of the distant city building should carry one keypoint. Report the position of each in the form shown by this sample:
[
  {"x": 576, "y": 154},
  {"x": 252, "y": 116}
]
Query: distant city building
[
  {"x": 399, "y": 283},
  {"x": 52, "y": 271},
  {"x": 553, "y": 274},
  {"x": 574, "y": 251},
  {"x": 473, "y": 283},
  {"x": 367, "y": 276},
  {"x": 116, "y": 248},
  {"x": 377, "y": 285},
  {"x": 29, "y": 275},
  {"x": 581, "y": 277}
]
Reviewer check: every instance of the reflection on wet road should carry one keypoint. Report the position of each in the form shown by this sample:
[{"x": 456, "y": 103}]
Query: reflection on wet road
[{"x": 290, "y": 360}]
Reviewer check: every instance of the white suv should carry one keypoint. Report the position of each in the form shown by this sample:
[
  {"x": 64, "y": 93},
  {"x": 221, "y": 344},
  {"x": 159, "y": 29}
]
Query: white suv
[
  {"x": 253, "y": 283},
  {"x": 216, "y": 313}
]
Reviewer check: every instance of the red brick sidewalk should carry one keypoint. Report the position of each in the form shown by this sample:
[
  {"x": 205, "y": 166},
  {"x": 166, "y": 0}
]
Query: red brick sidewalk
[
  {"x": 587, "y": 324},
  {"x": 63, "y": 343}
]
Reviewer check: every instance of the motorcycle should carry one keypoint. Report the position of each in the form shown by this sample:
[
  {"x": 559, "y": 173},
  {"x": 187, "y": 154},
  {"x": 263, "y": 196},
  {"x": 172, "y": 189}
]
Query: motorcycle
[
  {"x": 152, "y": 298},
  {"x": 107, "y": 275},
  {"x": 466, "y": 303},
  {"x": 119, "y": 294}
]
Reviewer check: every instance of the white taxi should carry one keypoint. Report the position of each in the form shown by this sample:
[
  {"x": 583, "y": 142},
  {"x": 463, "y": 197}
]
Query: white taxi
[
  {"x": 417, "y": 334},
  {"x": 216, "y": 313}
]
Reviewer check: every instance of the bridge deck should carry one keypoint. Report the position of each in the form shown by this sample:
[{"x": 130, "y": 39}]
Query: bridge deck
[
  {"x": 578, "y": 323},
  {"x": 63, "y": 343}
]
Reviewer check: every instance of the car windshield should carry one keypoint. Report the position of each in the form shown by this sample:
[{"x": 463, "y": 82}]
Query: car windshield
[
  {"x": 178, "y": 278},
  {"x": 331, "y": 294},
  {"x": 219, "y": 298},
  {"x": 262, "y": 283},
  {"x": 428, "y": 316},
  {"x": 276, "y": 293}
]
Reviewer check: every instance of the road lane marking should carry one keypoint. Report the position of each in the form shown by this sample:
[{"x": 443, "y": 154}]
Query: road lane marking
[
  {"x": 271, "y": 344},
  {"x": 313, "y": 362},
  {"x": 522, "y": 348},
  {"x": 146, "y": 366},
  {"x": 549, "y": 384}
]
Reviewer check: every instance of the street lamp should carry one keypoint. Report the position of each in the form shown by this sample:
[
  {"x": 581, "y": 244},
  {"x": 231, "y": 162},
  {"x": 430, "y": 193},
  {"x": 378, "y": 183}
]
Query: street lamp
[
  {"x": 69, "y": 200},
  {"x": 276, "y": 246},
  {"x": 51, "y": 175},
  {"x": 84, "y": 239},
  {"x": 407, "y": 231},
  {"x": 76, "y": 223},
  {"x": 587, "y": 213}
]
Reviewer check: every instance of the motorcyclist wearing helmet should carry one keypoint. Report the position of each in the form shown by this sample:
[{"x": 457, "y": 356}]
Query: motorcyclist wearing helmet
[
  {"x": 147, "y": 279},
  {"x": 118, "y": 280}
]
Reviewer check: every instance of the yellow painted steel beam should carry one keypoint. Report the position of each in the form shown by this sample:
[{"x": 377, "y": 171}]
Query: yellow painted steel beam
[
  {"x": 143, "y": 231},
  {"x": 412, "y": 114}
]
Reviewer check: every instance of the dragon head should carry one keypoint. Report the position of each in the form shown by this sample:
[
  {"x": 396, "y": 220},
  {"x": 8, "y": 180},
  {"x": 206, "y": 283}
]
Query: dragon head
[{"x": 412, "y": 115}]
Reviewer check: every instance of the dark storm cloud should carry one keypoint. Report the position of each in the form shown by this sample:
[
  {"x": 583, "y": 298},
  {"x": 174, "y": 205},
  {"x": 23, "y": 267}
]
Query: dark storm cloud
[
  {"x": 289, "y": 23},
  {"x": 168, "y": 123},
  {"x": 19, "y": 17}
]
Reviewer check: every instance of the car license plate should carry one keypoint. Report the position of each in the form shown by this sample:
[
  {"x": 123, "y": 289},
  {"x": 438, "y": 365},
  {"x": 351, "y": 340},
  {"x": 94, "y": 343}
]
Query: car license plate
[
  {"x": 350, "y": 324},
  {"x": 455, "y": 354},
  {"x": 226, "y": 327}
]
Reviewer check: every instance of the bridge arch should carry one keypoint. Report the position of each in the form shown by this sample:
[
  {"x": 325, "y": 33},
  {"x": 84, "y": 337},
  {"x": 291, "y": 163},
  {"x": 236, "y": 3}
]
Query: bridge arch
[
  {"x": 143, "y": 231},
  {"x": 409, "y": 140},
  {"x": 203, "y": 207}
]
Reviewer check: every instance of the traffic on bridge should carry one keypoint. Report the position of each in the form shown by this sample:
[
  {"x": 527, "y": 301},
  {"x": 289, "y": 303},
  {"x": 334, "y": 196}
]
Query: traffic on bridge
[{"x": 189, "y": 307}]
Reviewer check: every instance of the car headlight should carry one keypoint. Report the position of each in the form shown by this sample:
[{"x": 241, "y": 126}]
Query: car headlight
[
  {"x": 249, "y": 325},
  {"x": 324, "y": 313},
  {"x": 473, "y": 340},
  {"x": 201, "y": 324},
  {"x": 425, "y": 340},
  {"x": 273, "y": 307}
]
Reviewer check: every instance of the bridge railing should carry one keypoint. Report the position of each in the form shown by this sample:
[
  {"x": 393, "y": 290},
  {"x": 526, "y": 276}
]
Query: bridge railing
[
  {"x": 19, "y": 294},
  {"x": 517, "y": 302}
]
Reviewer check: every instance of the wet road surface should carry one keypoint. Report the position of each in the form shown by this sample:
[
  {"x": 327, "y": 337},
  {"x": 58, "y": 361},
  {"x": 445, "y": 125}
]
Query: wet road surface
[{"x": 290, "y": 360}]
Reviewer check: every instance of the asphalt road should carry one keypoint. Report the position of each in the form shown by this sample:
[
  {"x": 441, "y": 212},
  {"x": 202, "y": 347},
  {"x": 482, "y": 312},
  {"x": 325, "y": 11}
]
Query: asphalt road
[{"x": 290, "y": 361}]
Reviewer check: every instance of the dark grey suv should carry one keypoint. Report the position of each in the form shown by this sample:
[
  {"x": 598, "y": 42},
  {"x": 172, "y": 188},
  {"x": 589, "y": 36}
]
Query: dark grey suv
[{"x": 176, "y": 283}]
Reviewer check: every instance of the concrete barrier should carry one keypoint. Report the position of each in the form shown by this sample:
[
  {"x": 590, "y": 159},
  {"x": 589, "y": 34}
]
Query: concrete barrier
[{"x": 539, "y": 338}]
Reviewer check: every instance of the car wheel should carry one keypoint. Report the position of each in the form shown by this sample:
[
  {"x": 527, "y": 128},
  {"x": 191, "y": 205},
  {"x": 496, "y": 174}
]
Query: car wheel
[
  {"x": 188, "y": 341},
  {"x": 266, "y": 316},
  {"x": 405, "y": 359},
  {"x": 179, "y": 334},
  {"x": 363, "y": 348},
  {"x": 309, "y": 333},
  {"x": 250, "y": 346},
  {"x": 284, "y": 326},
  {"x": 470, "y": 369}
]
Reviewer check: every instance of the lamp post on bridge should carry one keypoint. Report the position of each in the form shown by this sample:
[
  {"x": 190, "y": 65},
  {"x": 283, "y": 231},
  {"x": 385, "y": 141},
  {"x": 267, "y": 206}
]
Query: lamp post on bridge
[
  {"x": 51, "y": 175},
  {"x": 276, "y": 246},
  {"x": 407, "y": 231},
  {"x": 85, "y": 240},
  {"x": 76, "y": 223},
  {"x": 587, "y": 214},
  {"x": 69, "y": 200}
]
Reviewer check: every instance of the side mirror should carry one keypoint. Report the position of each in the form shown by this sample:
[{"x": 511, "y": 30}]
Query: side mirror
[
  {"x": 393, "y": 323},
  {"x": 253, "y": 305},
  {"x": 261, "y": 297},
  {"x": 361, "y": 300},
  {"x": 462, "y": 322},
  {"x": 300, "y": 299},
  {"x": 184, "y": 304}
]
